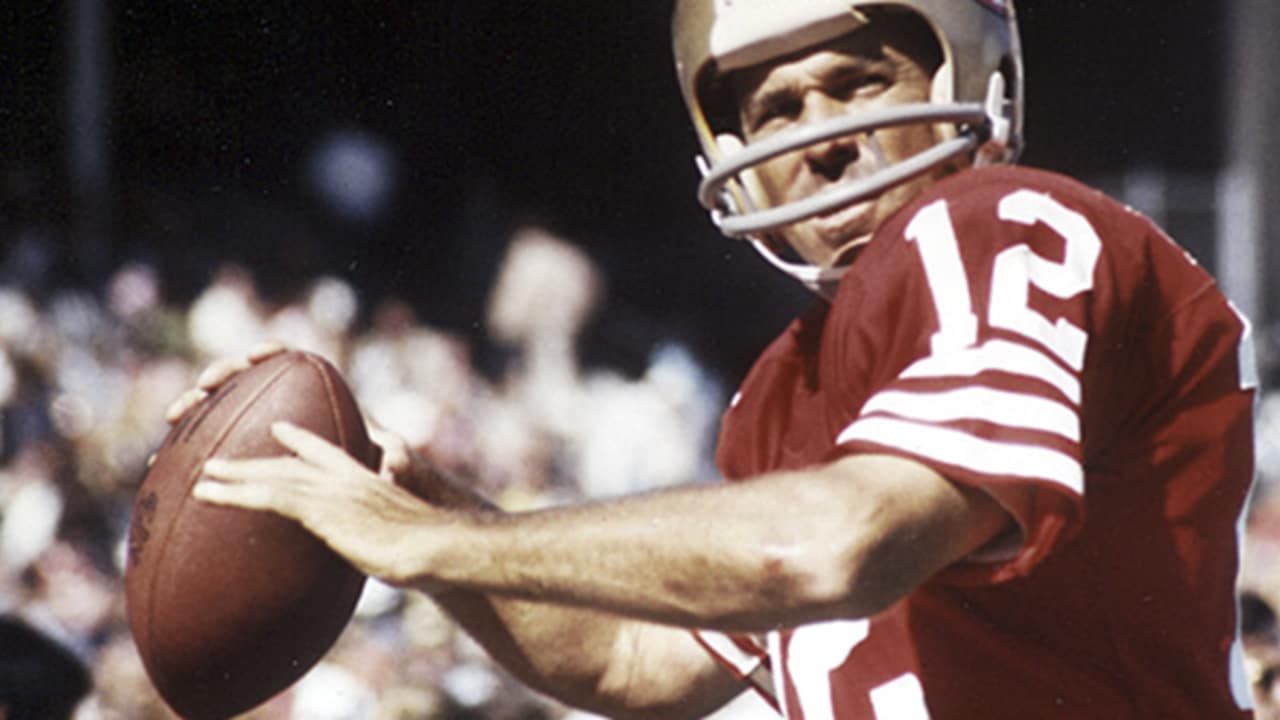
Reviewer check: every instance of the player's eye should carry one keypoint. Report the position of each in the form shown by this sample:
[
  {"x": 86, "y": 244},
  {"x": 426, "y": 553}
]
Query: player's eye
[
  {"x": 1268, "y": 679},
  {"x": 862, "y": 85},
  {"x": 776, "y": 111}
]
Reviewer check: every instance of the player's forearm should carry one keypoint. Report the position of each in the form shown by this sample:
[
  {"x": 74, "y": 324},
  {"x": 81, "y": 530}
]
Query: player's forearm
[
  {"x": 749, "y": 557},
  {"x": 778, "y": 551},
  {"x": 532, "y": 558}
]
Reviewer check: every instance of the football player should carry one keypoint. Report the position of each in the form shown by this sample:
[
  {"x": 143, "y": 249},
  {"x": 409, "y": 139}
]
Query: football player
[{"x": 996, "y": 471}]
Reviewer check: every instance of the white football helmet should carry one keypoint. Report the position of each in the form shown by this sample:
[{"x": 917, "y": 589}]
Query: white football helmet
[{"x": 976, "y": 94}]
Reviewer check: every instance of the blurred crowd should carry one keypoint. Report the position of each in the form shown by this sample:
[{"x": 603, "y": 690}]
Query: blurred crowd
[
  {"x": 1260, "y": 573},
  {"x": 85, "y": 378},
  {"x": 84, "y": 382}
]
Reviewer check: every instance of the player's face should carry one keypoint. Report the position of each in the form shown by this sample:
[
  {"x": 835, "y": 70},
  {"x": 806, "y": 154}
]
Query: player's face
[{"x": 870, "y": 69}]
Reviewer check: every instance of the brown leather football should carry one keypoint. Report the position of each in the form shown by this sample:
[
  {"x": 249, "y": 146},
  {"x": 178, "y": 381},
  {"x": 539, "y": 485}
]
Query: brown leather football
[{"x": 227, "y": 606}]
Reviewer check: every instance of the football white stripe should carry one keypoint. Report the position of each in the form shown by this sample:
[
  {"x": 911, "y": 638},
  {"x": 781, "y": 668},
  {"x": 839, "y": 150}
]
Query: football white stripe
[
  {"x": 961, "y": 449},
  {"x": 998, "y": 355},
  {"x": 1010, "y": 409}
]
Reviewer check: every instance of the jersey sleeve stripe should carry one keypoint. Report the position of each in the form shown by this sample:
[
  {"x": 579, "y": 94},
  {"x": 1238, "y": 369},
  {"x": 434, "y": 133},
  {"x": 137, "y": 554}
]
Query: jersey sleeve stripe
[
  {"x": 742, "y": 657},
  {"x": 1000, "y": 407},
  {"x": 1003, "y": 356},
  {"x": 953, "y": 447},
  {"x": 746, "y": 661}
]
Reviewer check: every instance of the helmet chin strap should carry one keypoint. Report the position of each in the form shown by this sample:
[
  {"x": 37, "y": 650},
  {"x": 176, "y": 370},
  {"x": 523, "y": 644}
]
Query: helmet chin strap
[{"x": 821, "y": 280}]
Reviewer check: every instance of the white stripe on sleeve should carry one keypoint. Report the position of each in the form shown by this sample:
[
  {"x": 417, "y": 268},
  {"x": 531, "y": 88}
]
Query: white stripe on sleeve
[
  {"x": 750, "y": 667},
  {"x": 1001, "y": 407},
  {"x": 963, "y": 450},
  {"x": 998, "y": 355}
]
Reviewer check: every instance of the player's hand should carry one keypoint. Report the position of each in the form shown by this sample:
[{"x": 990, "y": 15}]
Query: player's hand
[
  {"x": 217, "y": 374},
  {"x": 379, "y": 527}
]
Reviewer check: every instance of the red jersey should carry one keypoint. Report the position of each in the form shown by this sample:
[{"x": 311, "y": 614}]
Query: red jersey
[{"x": 1023, "y": 334}]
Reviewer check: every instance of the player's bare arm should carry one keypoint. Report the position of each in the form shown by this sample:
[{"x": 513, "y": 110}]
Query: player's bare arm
[
  {"x": 841, "y": 540},
  {"x": 529, "y": 585}
]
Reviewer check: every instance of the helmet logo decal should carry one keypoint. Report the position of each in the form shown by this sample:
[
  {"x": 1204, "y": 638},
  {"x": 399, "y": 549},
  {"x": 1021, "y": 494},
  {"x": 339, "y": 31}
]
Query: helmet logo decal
[{"x": 999, "y": 7}]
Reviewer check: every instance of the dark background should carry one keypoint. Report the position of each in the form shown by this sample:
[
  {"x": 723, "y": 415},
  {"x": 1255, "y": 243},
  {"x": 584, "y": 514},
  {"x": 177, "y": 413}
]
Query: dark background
[{"x": 499, "y": 113}]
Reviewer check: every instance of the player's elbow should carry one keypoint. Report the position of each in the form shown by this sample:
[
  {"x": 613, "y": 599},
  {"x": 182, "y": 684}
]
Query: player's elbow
[
  {"x": 881, "y": 570},
  {"x": 855, "y": 556},
  {"x": 845, "y": 576}
]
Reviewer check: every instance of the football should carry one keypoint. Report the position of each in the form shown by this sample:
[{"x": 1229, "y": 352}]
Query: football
[{"x": 228, "y": 607}]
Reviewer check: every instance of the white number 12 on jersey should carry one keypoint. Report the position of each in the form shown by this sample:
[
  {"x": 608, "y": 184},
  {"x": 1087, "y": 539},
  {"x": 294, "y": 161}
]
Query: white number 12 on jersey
[
  {"x": 818, "y": 650},
  {"x": 1014, "y": 271}
]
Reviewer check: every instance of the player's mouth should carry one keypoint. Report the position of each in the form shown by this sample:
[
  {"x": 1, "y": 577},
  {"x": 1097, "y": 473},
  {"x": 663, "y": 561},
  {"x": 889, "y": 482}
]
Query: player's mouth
[{"x": 847, "y": 227}]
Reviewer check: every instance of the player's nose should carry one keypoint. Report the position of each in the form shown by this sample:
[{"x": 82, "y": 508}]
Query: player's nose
[{"x": 829, "y": 159}]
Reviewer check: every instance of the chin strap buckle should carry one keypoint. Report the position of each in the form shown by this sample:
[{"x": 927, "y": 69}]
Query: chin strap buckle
[
  {"x": 995, "y": 147},
  {"x": 1001, "y": 126}
]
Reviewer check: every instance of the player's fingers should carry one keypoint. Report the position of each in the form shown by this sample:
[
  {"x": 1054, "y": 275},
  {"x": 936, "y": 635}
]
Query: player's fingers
[
  {"x": 249, "y": 497},
  {"x": 264, "y": 350},
  {"x": 286, "y": 476},
  {"x": 183, "y": 404},
  {"x": 259, "y": 471},
  {"x": 312, "y": 448},
  {"x": 219, "y": 371}
]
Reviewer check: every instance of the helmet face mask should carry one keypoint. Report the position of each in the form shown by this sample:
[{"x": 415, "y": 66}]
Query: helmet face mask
[{"x": 973, "y": 104}]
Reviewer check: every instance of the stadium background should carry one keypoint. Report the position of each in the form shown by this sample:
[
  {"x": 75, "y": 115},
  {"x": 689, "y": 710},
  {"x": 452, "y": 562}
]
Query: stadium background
[{"x": 173, "y": 174}]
